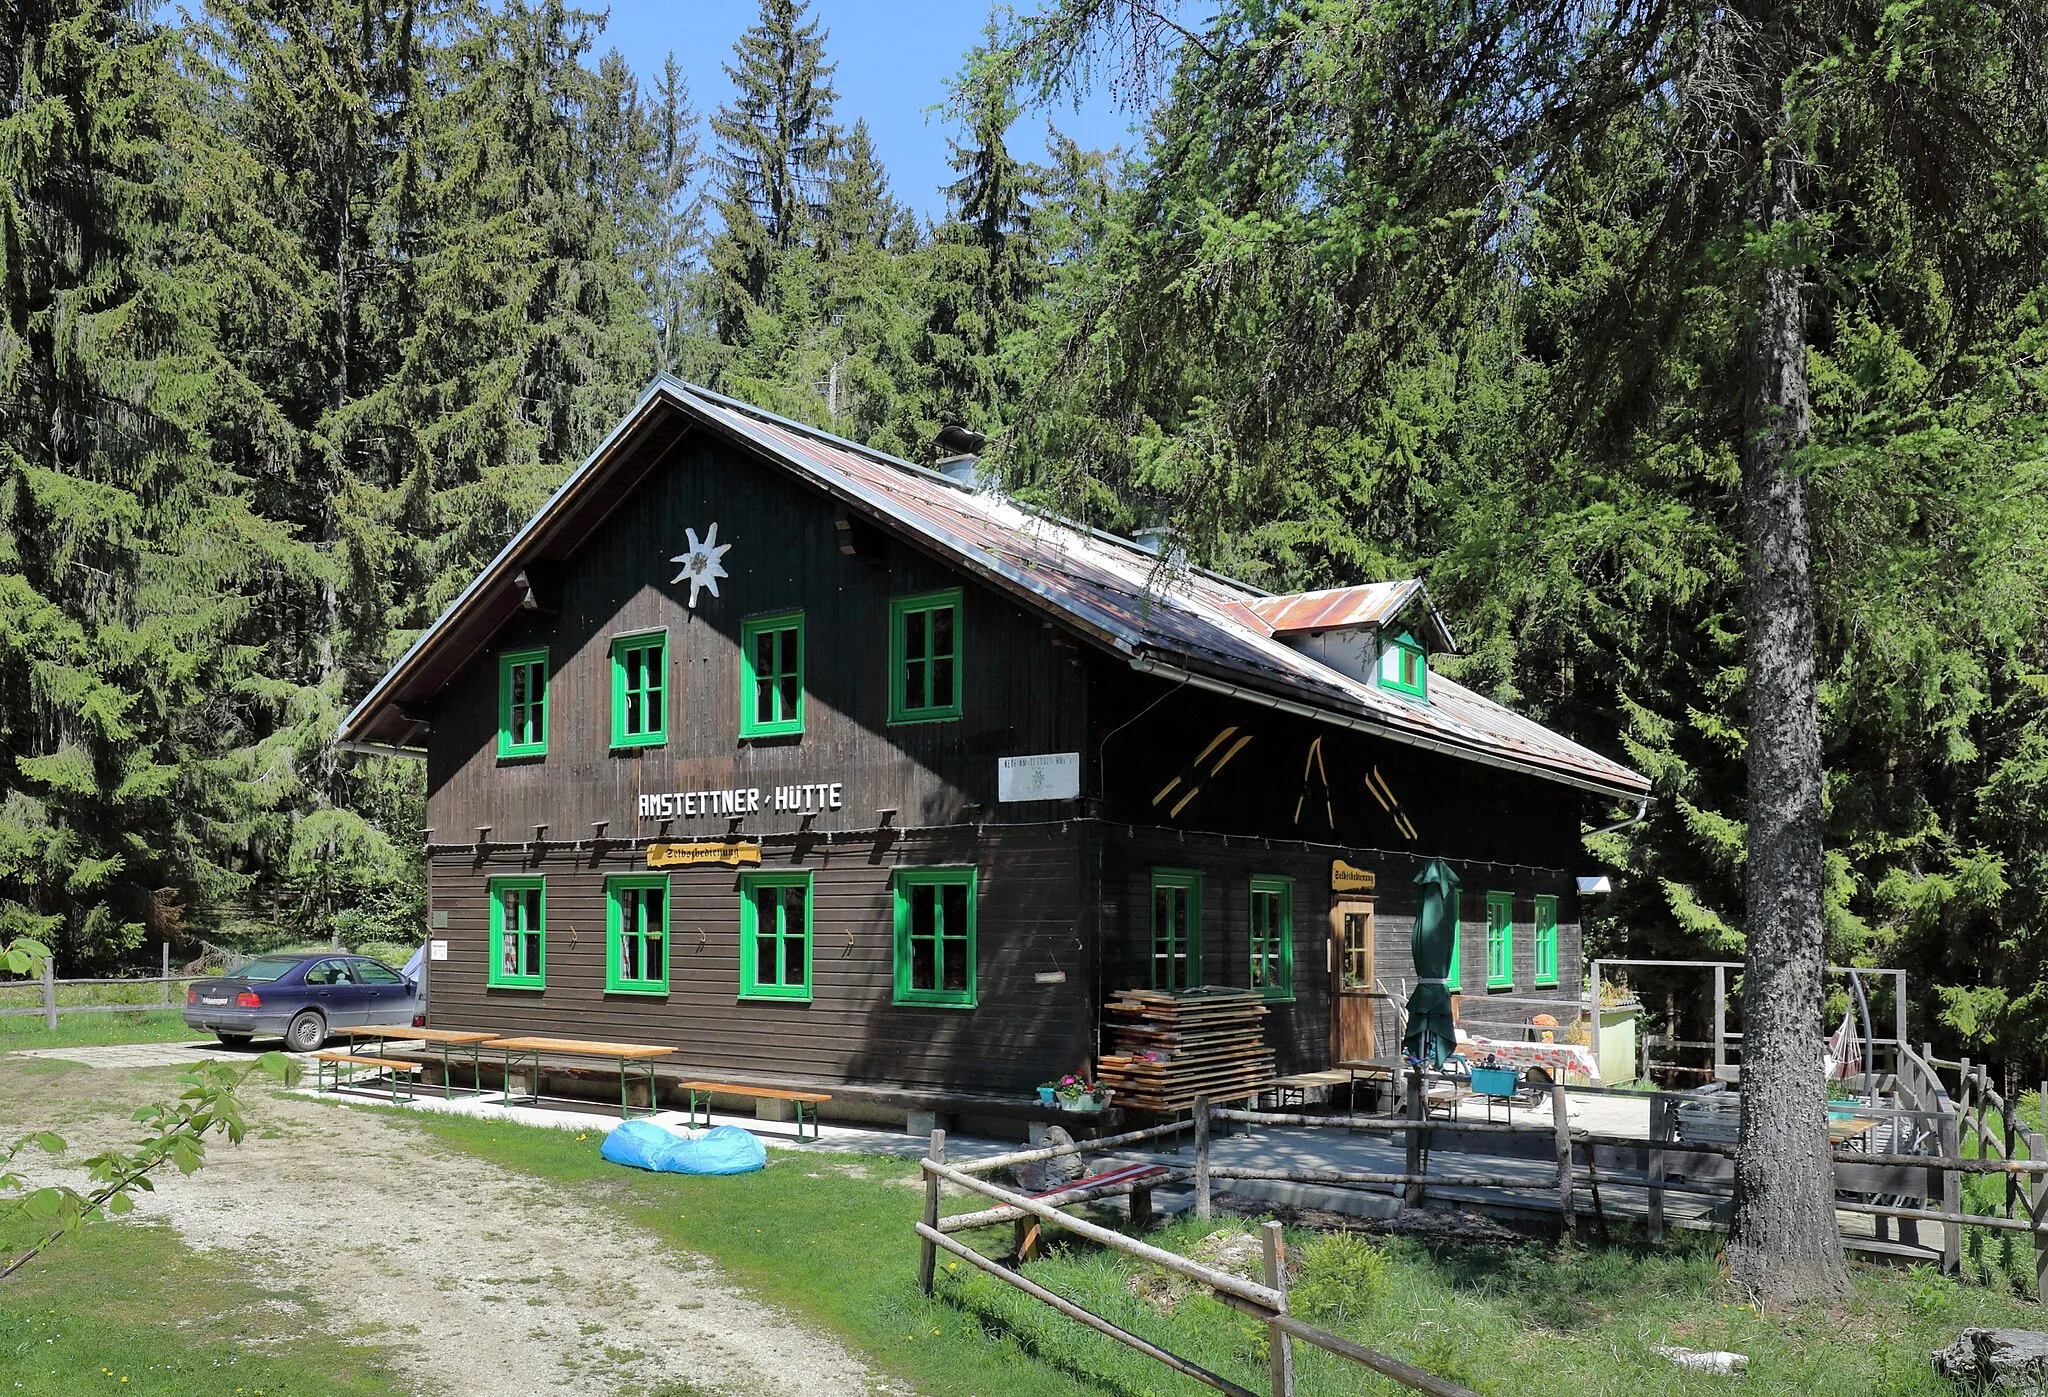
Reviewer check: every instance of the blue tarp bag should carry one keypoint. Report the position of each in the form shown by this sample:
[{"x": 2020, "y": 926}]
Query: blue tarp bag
[{"x": 724, "y": 1149}]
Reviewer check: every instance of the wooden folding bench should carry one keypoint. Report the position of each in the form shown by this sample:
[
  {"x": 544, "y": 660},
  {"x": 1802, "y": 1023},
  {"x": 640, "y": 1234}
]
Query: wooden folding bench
[
  {"x": 335, "y": 1070},
  {"x": 1137, "y": 1178},
  {"x": 798, "y": 1099}
]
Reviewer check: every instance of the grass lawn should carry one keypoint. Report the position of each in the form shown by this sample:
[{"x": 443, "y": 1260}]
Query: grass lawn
[
  {"x": 80, "y": 1030},
  {"x": 126, "y": 1307},
  {"x": 828, "y": 1237}
]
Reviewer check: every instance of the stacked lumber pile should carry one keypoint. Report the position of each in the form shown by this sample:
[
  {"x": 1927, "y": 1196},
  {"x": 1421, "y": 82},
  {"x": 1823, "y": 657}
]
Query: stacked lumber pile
[{"x": 1166, "y": 1049}]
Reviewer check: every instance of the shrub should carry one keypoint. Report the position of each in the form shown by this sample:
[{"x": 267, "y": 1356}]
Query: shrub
[{"x": 1341, "y": 1277}]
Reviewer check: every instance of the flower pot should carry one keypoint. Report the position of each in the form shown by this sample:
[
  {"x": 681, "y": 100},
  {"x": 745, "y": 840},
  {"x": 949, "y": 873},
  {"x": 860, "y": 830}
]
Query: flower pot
[{"x": 1045, "y": 1096}]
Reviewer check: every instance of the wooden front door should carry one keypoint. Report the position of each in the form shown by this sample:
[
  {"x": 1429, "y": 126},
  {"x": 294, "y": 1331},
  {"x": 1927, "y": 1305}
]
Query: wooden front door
[{"x": 1351, "y": 980}]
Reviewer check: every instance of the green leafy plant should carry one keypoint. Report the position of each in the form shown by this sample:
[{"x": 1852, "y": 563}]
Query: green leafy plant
[{"x": 1342, "y": 1278}]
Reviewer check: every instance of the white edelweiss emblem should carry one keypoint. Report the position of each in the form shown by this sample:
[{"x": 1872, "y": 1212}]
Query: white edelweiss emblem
[{"x": 700, "y": 562}]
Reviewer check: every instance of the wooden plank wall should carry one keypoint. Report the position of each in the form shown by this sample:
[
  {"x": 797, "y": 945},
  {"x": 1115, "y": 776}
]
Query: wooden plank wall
[
  {"x": 1024, "y": 690},
  {"x": 1021, "y": 1034},
  {"x": 1299, "y": 1032}
]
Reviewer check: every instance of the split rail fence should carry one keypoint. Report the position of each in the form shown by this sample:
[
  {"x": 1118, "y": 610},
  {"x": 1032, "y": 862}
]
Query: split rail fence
[
  {"x": 1264, "y": 1300},
  {"x": 51, "y": 991}
]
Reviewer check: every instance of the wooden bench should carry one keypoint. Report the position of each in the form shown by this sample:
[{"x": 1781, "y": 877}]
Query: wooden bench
[
  {"x": 335, "y": 1070},
  {"x": 1136, "y": 1179},
  {"x": 798, "y": 1099}
]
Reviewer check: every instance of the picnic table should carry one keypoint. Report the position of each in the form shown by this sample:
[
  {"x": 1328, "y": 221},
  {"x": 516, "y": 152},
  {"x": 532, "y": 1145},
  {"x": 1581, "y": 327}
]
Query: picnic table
[
  {"x": 449, "y": 1039},
  {"x": 1554, "y": 1058},
  {"x": 797, "y": 1100},
  {"x": 633, "y": 1059}
]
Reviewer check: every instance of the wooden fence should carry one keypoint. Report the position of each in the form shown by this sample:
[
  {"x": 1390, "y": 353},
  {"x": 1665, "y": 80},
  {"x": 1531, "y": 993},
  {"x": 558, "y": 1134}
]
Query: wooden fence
[
  {"x": 1265, "y": 1299},
  {"x": 49, "y": 986}
]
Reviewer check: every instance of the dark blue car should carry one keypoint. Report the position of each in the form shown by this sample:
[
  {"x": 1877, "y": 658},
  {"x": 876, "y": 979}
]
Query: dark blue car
[{"x": 301, "y": 998}]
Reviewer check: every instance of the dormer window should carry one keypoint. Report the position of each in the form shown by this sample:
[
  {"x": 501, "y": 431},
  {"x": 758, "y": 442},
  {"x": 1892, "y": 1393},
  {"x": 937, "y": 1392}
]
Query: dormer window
[{"x": 1404, "y": 667}]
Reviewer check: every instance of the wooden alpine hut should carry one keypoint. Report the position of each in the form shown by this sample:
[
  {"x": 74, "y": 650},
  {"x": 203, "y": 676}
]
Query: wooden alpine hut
[{"x": 826, "y": 768}]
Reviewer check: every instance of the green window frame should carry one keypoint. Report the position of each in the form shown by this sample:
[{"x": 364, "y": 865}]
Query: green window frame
[
  {"x": 636, "y": 908},
  {"x": 772, "y": 675},
  {"x": 523, "y": 703},
  {"x": 519, "y": 933},
  {"x": 1500, "y": 941},
  {"x": 775, "y": 936},
  {"x": 1271, "y": 907},
  {"x": 1404, "y": 667},
  {"x": 1546, "y": 940},
  {"x": 935, "y": 944},
  {"x": 1176, "y": 928},
  {"x": 640, "y": 689},
  {"x": 925, "y": 634}
]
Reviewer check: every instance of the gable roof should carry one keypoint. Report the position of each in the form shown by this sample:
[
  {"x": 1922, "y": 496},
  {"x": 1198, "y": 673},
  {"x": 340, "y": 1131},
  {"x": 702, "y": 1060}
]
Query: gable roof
[{"x": 1178, "y": 622}]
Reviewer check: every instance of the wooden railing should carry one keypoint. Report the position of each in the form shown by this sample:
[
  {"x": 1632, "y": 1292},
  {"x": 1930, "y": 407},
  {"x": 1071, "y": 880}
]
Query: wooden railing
[
  {"x": 48, "y": 992},
  {"x": 1265, "y": 1299}
]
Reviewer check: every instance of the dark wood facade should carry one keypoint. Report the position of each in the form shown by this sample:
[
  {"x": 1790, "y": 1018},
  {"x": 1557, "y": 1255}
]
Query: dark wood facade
[{"x": 1063, "y": 889}]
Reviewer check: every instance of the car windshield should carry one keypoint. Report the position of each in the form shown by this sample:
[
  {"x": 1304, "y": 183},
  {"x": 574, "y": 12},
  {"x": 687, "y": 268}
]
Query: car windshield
[{"x": 267, "y": 968}]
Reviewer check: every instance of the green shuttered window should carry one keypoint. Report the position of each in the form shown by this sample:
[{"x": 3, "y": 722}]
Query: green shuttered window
[
  {"x": 1176, "y": 928},
  {"x": 1404, "y": 667},
  {"x": 775, "y": 936},
  {"x": 924, "y": 657},
  {"x": 1500, "y": 941},
  {"x": 518, "y": 933},
  {"x": 636, "y": 934},
  {"x": 523, "y": 703},
  {"x": 1546, "y": 940},
  {"x": 772, "y": 675},
  {"x": 935, "y": 936},
  {"x": 1272, "y": 937},
  {"x": 640, "y": 690}
]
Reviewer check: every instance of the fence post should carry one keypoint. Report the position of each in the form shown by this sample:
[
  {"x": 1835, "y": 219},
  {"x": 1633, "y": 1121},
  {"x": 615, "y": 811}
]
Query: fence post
[
  {"x": 1720, "y": 1023},
  {"x": 1418, "y": 1111},
  {"x": 928, "y": 1252},
  {"x": 1561, "y": 1123},
  {"x": 1279, "y": 1353},
  {"x": 2037, "y": 1148},
  {"x": 1951, "y": 1199},
  {"x": 1660, "y": 1131},
  {"x": 1203, "y": 1206},
  {"x": 165, "y": 983},
  {"x": 50, "y": 992}
]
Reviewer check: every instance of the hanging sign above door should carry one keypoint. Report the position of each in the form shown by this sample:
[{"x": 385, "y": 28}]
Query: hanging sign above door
[{"x": 1344, "y": 878}]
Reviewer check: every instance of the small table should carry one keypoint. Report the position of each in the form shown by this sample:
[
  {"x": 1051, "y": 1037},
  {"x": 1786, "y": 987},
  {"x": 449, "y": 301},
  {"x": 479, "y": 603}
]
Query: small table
[
  {"x": 1554, "y": 1058},
  {"x": 633, "y": 1058},
  {"x": 1302, "y": 1083},
  {"x": 448, "y": 1038},
  {"x": 1842, "y": 1129}
]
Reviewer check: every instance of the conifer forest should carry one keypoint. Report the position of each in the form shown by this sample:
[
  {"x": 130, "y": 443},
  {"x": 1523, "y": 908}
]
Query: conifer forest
[{"x": 305, "y": 307}]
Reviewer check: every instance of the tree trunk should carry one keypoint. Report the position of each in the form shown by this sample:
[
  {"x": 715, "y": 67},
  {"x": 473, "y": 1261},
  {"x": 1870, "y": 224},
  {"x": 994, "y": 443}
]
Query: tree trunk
[{"x": 1784, "y": 1241}]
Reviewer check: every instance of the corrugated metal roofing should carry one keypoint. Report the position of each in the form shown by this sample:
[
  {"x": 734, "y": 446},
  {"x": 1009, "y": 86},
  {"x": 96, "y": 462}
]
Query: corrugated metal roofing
[{"x": 1126, "y": 598}]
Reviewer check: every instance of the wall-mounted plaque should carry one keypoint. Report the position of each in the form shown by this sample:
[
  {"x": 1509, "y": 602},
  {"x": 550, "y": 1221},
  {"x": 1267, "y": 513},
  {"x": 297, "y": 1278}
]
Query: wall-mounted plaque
[
  {"x": 1050, "y": 776},
  {"x": 732, "y": 853}
]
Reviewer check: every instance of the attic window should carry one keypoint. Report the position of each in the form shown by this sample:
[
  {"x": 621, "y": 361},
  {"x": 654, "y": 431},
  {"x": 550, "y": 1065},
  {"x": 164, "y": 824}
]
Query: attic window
[{"x": 1404, "y": 667}]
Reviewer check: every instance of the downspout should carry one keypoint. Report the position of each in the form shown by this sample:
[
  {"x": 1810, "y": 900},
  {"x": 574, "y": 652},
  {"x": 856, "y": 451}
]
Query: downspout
[{"x": 1642, "y": 813}]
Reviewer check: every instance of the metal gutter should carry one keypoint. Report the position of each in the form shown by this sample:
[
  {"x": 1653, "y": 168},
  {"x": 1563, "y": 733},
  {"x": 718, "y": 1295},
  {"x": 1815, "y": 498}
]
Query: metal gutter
[
  {"x": 1145, "y": 664},
  {"x": 382, "y": 749},
  {"x": 1642, "y": 813}
]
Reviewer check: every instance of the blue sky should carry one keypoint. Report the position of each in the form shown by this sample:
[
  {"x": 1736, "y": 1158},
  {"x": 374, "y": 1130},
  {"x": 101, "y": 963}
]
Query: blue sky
[{"x": 893, "y": 57}]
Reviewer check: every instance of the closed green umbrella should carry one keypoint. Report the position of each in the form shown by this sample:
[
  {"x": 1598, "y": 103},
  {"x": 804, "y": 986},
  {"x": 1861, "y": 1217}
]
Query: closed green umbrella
[{"x": 1432, "y": 1036}]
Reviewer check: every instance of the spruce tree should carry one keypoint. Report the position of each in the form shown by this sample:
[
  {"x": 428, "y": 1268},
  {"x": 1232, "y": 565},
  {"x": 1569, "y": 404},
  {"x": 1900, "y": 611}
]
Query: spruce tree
[{"x": 776, "y": 142}]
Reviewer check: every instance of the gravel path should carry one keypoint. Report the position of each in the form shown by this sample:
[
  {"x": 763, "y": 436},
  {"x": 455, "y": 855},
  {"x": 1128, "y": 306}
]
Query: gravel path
[{"x": 476, "y": 1281}]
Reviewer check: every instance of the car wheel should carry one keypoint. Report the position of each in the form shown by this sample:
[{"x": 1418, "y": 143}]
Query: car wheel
[
  {"x": 234, "y": 1040},
  {"x": 306, "y": 1032}
]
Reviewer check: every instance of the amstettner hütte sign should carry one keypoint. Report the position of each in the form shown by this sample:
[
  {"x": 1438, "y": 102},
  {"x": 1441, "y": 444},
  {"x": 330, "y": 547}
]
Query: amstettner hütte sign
[
  {"x": 733, "y": 853},
  {"x": 741, "y": 800}
]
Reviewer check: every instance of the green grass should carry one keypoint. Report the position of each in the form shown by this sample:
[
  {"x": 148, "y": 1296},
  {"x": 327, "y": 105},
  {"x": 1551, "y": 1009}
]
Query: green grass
[
  {"x": 127, "y": 1301},
  {"x": 79, "y": 1030},
  {"x": 828, "y": 1238}
]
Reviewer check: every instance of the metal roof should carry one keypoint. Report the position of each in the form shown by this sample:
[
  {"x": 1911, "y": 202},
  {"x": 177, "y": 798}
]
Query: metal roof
[{"x": 1150, "y": 610}]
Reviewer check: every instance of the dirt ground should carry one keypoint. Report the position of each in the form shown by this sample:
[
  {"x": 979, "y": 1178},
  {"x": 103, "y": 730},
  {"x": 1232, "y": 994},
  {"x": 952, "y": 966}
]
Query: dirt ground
[{"x": 470, "y": 1279}]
